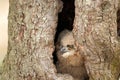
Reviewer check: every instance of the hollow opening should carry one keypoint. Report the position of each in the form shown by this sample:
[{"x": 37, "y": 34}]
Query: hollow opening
[
  {"x": 118, "y": 22},
  {"x": 65, "y": 21}
]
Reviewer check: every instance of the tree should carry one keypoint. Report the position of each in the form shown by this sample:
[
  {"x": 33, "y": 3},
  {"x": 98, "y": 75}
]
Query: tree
[
  {"x": 31, "y": 30},
  {"x": 31, "y": 33},
  {"x": 95, "y": 31}
]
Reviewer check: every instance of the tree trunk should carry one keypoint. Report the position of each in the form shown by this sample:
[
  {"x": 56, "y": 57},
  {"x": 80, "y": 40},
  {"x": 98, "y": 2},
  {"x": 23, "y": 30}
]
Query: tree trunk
[
  {"x": 32, "y": 25},
  {"x": 95, "y": 32},
  {"x": 31, "y": 31}
]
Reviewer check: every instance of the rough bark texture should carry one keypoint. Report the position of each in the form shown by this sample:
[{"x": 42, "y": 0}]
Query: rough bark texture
[
  {"x": 32, "y": 25},
  {"x": 95, "y": 31},
  {"x": 31, "y": 31}
]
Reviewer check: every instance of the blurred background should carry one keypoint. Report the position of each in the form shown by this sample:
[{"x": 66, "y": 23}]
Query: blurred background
[{"x": 4, "y": 5}]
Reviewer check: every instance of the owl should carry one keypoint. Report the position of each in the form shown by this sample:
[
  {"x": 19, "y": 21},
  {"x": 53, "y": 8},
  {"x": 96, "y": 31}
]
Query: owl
[{"x": 69, "y": 59}]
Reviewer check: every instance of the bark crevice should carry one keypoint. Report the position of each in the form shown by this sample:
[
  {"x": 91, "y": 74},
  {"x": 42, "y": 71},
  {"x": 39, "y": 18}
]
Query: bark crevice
[
  {"x": 65, "y": 20},
  {"x": 118, "y": 22}
]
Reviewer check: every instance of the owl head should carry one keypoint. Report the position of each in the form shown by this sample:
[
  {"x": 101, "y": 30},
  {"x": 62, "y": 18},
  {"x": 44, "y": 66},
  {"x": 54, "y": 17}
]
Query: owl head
[
  {"x": 66, "y": 38},
  {"x": 66, "y": 51},
  {"x": 65, "y": 43}
]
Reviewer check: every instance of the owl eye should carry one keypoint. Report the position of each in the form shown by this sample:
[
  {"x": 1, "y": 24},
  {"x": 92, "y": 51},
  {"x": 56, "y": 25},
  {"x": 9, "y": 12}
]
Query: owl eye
[{"x": 70, "y": 46}]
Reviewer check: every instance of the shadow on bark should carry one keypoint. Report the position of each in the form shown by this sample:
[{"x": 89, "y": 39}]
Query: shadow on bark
[{"x": 118, "y": 22}]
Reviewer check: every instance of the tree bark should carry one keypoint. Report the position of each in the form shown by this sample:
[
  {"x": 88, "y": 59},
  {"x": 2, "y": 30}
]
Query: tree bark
[
  {"x": 32, "y": 25},
  {"x": 95, "y": 32},
  {"x": 31, "y": 30}
]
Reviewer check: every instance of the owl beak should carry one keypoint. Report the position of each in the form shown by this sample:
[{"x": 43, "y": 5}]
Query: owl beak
[{"x": 64, "y": 50}]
